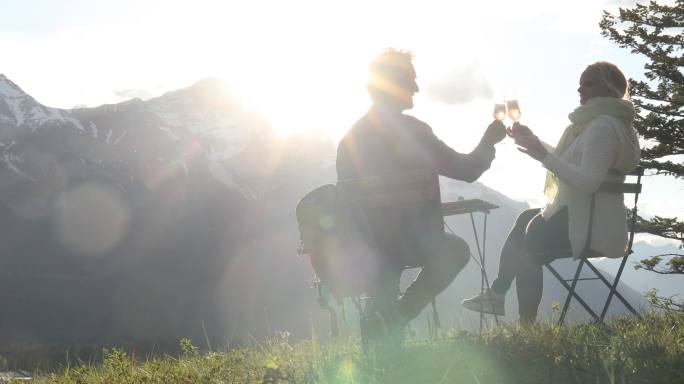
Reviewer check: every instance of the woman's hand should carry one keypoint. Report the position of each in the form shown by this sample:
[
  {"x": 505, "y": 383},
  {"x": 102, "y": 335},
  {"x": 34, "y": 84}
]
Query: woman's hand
[
  {"x": 529, "y": 143},
  {"x": 531, "y": 146},
  {"x": 519, "y": 130}
]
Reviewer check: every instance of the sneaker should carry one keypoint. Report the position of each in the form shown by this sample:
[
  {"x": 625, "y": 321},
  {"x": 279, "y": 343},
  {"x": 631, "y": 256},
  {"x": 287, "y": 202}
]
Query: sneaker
[{"x": 487, "y": 302}]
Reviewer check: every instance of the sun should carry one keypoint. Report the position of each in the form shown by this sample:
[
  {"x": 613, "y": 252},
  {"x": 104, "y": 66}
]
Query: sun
[{"x": 306, "y": 93}]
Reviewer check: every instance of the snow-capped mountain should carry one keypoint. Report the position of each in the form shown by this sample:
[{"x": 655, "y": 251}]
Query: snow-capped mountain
[
  {"x": 202, "y": 124},
  {"x": 19, "y": 111}
]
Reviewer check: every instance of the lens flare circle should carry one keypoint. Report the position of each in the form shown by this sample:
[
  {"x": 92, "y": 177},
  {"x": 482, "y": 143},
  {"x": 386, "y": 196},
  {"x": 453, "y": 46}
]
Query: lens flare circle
[{"x": 92, "y": 218}]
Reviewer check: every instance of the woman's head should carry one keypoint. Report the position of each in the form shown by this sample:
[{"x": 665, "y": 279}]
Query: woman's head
[{"x": 602, "y": 79}]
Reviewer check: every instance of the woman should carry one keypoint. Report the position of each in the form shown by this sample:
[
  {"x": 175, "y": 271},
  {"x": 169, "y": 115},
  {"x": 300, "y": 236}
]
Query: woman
[{"x": 600, "y": 145}]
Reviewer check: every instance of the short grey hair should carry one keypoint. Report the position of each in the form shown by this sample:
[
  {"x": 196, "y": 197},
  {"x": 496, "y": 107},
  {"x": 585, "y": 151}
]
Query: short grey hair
[{"x": 387, "y": 70}]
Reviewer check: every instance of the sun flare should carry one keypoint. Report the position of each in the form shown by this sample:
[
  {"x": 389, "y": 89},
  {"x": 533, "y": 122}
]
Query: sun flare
[{"x": 304, "y": 93}]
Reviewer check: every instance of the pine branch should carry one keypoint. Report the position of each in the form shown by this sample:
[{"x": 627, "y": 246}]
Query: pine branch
[
  {"x": 674, "y": 266},
  {"x": 669, "y": 228},
  {"x": 667, "y": 168},
  {"x": 665, "y": 303},
  {"x": 657, "y": 32}
]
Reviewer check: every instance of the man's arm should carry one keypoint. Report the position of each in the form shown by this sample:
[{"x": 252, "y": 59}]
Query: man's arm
[{"x": 467, "y": 167}]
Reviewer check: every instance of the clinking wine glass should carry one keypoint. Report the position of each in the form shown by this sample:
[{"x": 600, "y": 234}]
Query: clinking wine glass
[
  {"x": 499, "y": 111},
  {"x": 514, "y": 114},
  {"x": 513, "y": 110}
]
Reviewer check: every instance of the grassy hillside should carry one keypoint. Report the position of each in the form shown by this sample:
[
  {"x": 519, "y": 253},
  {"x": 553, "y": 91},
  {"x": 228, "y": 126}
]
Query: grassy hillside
[{"x": 625, "y": 351}]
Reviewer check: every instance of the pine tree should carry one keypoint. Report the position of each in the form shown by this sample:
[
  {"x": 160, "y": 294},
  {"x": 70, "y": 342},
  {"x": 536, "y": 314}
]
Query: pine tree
[{"x": 657, "y": 32}]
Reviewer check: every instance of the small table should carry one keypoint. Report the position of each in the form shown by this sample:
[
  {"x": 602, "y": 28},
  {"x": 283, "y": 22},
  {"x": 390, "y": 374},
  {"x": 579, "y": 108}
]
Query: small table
[{"x": 470, "y": 206}]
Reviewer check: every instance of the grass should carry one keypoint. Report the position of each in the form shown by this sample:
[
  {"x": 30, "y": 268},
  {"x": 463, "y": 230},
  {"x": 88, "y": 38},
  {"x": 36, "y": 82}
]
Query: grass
[{"x": 626, "y": 350}]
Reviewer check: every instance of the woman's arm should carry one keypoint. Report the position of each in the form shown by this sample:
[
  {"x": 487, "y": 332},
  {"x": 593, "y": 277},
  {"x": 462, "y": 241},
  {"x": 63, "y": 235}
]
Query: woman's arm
[
  {"x": 547, "y": 146},
  {"x": 599, "y": 149}
]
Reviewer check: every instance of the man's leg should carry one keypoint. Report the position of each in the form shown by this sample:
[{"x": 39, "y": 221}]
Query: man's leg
[
  {"x": 440, "y": 269},
  {"x": 380, "y": 314},
  {"x": 385, "y": 290}
]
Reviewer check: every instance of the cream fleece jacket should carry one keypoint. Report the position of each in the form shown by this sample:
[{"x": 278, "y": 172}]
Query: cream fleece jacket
[{"x": 589, "y": 161}]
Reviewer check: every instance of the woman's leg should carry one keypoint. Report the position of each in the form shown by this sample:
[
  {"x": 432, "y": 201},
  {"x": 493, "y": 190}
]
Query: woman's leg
[
  {"x": 544, "y": 241},
  {"x": 529, "y": 287},
  {"x": 513, "y": 252}
]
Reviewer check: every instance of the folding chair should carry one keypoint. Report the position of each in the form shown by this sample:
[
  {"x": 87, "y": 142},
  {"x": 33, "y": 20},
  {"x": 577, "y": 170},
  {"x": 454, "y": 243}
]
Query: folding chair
[{"x": 634, "y": 188}]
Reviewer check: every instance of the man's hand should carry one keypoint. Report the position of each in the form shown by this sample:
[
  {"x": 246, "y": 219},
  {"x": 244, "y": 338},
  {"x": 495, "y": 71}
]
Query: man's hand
[
  {"x": 531, "y": 146},
  {"x": 496, "y": 131}
]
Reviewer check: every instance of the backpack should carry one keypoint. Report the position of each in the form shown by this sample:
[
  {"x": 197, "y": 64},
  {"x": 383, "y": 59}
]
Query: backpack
[{"x": 334, "y": 236}]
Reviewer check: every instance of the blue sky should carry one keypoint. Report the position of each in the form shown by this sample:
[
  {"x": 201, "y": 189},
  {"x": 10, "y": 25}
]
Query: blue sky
[
  {"x": 39, "y": 18},
  {"x": 303, "y": 62}
]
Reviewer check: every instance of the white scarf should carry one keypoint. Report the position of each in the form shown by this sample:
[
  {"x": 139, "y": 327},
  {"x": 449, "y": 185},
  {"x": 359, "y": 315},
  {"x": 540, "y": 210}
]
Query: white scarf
[{"x": 620, "y": 108}]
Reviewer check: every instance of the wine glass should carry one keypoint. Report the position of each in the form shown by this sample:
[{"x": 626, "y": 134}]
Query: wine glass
[
  {"x": 513, "y": 110},
  {"x": 499, "y": 111}
]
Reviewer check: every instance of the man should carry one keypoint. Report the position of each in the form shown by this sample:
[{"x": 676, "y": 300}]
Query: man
[{"x": 390, "y": 151}]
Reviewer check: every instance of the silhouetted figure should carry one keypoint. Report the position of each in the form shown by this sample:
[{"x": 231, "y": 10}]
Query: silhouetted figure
[
  {"x": 393, "y": 150},
  {"x": 599, "y": 146}
]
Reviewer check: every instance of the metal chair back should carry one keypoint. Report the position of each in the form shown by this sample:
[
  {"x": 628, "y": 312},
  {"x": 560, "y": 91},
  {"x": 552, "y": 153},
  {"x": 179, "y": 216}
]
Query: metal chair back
[{"x": 610, "y": 187}]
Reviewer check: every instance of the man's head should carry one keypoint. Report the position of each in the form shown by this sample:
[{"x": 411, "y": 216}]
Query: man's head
[{"x": 392, "y": 79}]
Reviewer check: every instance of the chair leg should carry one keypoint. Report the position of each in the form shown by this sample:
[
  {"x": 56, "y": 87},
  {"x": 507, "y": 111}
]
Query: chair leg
[
  {"x": 571, "y": 293},
  {"x": 613, "y": 289},
  {"x": 324, "y": 303},
  {"x": 435, "y": 315},
  {"x": 363, "y": 325}
]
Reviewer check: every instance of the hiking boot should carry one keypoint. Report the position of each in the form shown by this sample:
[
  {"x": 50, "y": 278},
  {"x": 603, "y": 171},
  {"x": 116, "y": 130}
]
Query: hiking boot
[
  {"x": 377, "y": 325},
  {"x": 383, "y": 329},
  {"x": 486, "y": 302}
]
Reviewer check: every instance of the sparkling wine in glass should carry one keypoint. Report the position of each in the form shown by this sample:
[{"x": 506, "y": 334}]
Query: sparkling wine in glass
[
  {"x": 499, "y": 111},
  {"x": 513, "y": 110}
]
